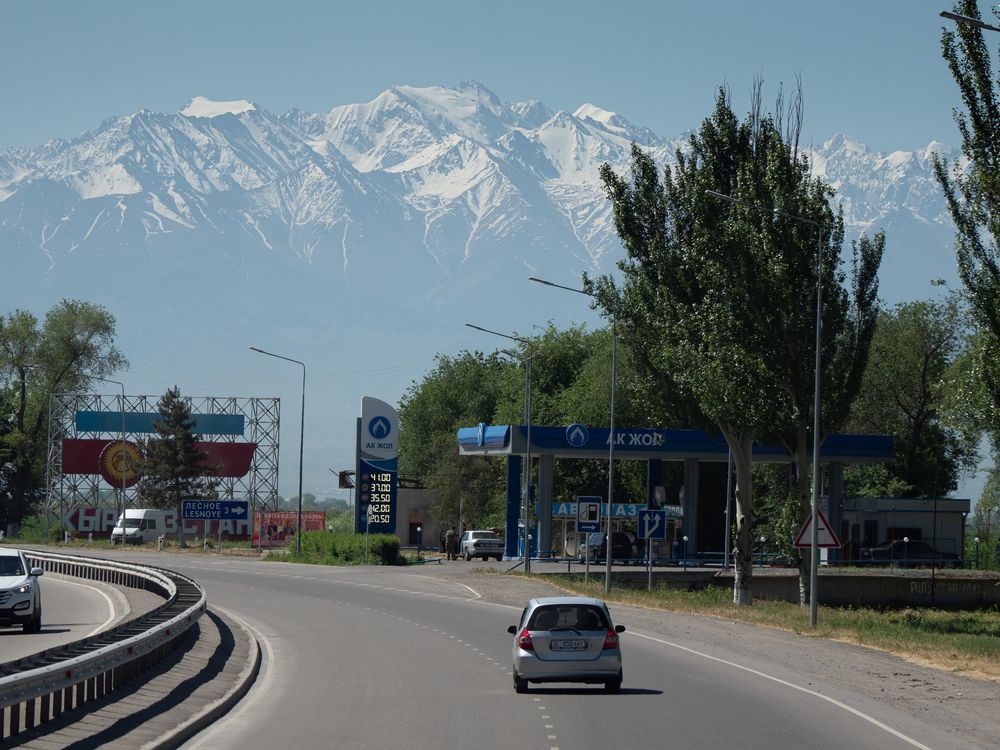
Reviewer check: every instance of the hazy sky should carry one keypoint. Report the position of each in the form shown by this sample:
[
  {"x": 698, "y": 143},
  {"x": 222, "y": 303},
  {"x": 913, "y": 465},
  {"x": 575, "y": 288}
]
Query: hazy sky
[{"x": 872, "y": 70}]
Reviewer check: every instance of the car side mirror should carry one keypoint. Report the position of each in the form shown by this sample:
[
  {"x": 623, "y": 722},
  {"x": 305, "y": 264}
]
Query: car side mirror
[
  {"x": 512, "y": 629},
  {"x": 36, "y": 572},
  {"x": 619, "y": 628}
]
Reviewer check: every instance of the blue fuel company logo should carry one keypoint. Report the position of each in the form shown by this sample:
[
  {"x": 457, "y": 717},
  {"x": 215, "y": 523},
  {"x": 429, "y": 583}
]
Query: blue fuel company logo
[
  {"x": 577, "y": 435},
  {"x": 379, "y": 427}
]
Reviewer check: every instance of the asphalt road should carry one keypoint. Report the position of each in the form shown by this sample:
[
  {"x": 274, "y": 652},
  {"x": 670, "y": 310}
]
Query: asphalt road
[
  {"x": 374, "y": 658},
  {"x": 71, "y": 610}
]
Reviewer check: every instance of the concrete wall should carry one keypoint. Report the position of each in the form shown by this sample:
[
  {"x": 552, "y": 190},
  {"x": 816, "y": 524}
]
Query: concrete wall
[
  {"x": 413, "y": 506},
  {"x": 886, "y": 590},
  {"x": 917, "y": 590}
]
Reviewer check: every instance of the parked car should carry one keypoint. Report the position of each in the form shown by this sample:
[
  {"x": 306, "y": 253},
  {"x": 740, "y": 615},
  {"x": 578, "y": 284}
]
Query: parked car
[
  {"x": 622, "y": 547},
  {"x": 484, "y": 544},
  {"x": 20, "y": 594},
  {"x": 914, "y": 553},
  {"x": 566, "y": 639}
]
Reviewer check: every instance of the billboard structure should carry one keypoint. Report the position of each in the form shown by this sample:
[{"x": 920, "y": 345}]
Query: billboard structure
[
  {"x": 94, "y": 439},
  {"x": 277, "y": 528}
]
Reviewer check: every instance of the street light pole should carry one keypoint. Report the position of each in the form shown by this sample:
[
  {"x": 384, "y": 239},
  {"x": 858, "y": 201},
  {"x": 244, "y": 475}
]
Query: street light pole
[
  {"x": 611, "y": 434},
  {"x": 526, "y": 558},
  {"x": 817, "y": 367},
  {"x": 302, "y": 436},
  {"x": 967, "y": 20},
  {"x": 121, "y": 515}
]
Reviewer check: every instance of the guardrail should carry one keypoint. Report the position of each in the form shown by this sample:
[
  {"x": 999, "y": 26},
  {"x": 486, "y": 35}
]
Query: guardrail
[{"x": 43, "y": 686}]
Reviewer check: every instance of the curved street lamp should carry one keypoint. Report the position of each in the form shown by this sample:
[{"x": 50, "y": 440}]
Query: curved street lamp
[
  {"x": 966, "y": 20},
  {"x": 611, "y": 433},
  {"x": 527, "y": 415}
]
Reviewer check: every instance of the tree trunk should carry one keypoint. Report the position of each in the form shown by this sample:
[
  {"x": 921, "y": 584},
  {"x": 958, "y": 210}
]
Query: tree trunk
[
  {"x": 743, "y": 543},
  {"x": 178, "y": 507},
  {"x": 802, "y": 461}
]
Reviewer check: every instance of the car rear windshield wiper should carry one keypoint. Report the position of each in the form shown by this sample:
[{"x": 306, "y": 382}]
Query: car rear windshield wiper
[{"x": 566, "y": 628}]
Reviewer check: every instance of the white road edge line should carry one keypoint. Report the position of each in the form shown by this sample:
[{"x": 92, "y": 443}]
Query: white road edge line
[
  {"x": 793, "y": 686},
  {"x": 111, "y": 606},
  {"x": 475, "y": 594}
]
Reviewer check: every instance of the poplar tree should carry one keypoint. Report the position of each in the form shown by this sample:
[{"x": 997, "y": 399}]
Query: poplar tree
[
  {"x": 175, "y": 468},
  {"x": 972, "y": 188},
  {"x": 722, "y": 297}
]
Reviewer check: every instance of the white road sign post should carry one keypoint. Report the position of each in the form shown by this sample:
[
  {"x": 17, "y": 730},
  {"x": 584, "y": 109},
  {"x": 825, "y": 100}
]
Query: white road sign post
[{"x": 652, "y": 525}]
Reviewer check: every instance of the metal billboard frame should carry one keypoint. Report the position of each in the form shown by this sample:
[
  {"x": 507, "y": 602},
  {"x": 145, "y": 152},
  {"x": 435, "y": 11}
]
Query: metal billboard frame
[{"x": 262, "y": 421}]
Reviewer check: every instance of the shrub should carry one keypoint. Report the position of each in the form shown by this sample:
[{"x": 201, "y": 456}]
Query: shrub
[
  {"x": 344, "y": 548},
  {"x": 33, "y": 530}
]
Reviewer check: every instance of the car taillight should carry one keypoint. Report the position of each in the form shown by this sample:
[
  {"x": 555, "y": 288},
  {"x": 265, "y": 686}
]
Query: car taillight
[
  {"x": 611, "y": 640},
  {"x": 524, "y": 641}
]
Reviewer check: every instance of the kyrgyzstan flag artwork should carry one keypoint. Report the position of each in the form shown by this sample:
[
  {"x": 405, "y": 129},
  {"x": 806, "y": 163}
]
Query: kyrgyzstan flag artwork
[{"x": 83, "y": 456}]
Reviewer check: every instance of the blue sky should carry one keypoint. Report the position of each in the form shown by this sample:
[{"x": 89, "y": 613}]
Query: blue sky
[{"x": 872, "y": 70}]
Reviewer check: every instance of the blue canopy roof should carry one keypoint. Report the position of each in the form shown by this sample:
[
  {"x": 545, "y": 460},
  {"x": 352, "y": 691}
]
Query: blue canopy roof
[{"x": 580, "y": 441}]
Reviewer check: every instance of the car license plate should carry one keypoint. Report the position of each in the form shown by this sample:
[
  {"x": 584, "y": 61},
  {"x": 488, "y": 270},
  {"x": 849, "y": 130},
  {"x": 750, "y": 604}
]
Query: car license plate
[{"x": 569, "y": 644}]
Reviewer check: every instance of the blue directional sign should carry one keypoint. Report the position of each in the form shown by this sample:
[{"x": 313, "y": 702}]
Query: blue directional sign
[
  {"x": 215, "y": 510},
  {"x": 588, "y": 514},
  {"x": 652, "y": 524}
]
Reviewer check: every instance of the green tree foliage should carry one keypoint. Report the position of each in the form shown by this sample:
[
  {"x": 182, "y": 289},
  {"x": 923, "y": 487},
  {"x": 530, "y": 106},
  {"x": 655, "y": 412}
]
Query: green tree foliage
[
  {"x": 73, "y": 345},
  {"x": 175, "y": 468},
  {"x": 972, "y": 190},
  {"x": 570, "y": 383},
  {"x": 777, "y": 509},
  {"x": 914, "y": 370},
  {"x": 986, "y": 524},
  {"x": 721, "y": 298},
  {"x": 459, "y": 392},
  {"x": 340, "y": 521}
]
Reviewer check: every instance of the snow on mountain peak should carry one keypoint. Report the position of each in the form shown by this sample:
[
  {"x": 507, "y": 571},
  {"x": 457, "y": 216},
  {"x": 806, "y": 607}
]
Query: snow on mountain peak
[
  {"x": 202, "y": 107},
  {"x": 424, "y": 170},
  {"x": 594, "y": 113},
  {"x": 935, "y": 147},
  {"x": 845, "y": 143}
]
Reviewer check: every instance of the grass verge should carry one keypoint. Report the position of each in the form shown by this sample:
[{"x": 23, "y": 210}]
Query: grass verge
[{"x": 966, "y": 642}]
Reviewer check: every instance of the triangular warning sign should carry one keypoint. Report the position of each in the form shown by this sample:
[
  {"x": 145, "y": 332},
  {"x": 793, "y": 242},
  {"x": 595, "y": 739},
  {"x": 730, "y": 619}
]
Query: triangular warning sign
[{"x": 824, "y": 533}]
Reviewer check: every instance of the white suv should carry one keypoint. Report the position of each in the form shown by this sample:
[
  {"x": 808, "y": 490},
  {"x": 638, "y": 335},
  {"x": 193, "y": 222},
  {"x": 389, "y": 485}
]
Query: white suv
[
  {"x": 484, "y": 544},
  {"x": 20, "y": 595}
]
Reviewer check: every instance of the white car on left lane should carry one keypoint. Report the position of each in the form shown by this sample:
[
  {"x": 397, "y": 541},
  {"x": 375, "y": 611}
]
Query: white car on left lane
[{"x": 20, "y": 593}]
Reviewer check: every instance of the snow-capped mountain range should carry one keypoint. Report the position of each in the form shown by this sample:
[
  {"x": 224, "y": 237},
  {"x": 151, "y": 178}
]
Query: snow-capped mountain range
[{"x": 383, "y": 224}]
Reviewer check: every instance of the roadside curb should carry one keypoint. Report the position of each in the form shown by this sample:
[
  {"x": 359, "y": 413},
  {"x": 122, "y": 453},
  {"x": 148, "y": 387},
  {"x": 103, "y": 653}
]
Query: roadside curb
[{"x": 213, "y": 711}]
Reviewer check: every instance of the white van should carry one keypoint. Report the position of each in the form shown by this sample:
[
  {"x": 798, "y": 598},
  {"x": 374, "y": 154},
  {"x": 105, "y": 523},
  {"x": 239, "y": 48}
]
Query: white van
[{"x": 141, "y": 525}]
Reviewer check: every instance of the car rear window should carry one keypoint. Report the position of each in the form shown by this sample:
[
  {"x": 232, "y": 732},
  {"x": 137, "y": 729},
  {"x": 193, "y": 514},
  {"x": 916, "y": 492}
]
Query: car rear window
[
  {"x": 578, "y": 616},
  {"x": 484, "y": 535}
]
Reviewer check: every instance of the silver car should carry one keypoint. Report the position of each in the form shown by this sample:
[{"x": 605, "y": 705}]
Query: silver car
[
  {"x": 484, "y": 544},
  {"x": 20, "y": 596},
  {"x": 567, "y": 639}
]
